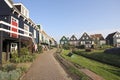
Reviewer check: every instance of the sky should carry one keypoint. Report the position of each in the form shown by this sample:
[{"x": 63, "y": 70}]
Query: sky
[{"x": 67, "y": 17}]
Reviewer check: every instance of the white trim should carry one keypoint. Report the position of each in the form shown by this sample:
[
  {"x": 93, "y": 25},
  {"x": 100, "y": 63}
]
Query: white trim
[
  {"x": 2, "y": 29},
  {"x": 7, "y": 24},
  {"x": 9, "y": 4}
]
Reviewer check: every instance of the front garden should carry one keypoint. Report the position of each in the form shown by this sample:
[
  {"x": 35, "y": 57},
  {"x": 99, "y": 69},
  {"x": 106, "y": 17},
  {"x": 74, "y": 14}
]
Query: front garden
[{"x": 18, "y": 65}]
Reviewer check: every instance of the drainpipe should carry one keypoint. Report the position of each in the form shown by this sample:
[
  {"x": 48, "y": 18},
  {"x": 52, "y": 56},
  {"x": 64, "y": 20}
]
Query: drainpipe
[{"x": 1, "y": 44}]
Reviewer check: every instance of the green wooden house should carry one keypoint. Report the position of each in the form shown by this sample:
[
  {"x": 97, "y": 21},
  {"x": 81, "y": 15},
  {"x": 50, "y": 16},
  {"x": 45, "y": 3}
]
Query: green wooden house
[{"x": 64, "y": 40}]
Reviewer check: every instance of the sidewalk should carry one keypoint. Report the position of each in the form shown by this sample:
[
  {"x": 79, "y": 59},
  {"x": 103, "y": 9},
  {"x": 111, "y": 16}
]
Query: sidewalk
[{"x": 45, "y": 67}]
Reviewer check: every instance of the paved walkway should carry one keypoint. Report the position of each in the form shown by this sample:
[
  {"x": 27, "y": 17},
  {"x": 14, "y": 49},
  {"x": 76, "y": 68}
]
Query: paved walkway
[{"x": 45, "y": 67}]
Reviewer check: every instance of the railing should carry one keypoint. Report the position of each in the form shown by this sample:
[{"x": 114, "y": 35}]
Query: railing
[{"x": 11, "y": 26}]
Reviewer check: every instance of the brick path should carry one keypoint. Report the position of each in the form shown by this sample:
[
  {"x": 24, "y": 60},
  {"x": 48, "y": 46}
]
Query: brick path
[{"x": 45, "y": 67}]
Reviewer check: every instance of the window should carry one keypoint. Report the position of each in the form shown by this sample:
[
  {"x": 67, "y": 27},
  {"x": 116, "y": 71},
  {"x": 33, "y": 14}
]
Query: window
[
  {"x": 34, "y": 33},
  {"x": 118, "y": 40},
  {"x": 86, "y": 37},
  {"x": 14, "y": 22},
  {"x": 82, "y": 42},
  {"x": 116, "y": 35},
  {"x": 83, "y": 38},
  {"x": 26, "y": 27}
]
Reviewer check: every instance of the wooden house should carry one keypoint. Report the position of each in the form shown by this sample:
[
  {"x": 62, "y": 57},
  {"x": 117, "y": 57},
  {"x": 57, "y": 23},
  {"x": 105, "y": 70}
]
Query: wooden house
[
  {"x": 74, "y": 41},
  {"x": 86, "y": 40},
  {"x": 113, "y": 39},
  {"x": 98, "y": 39},
  {"x": 63, "y": 40},
  {"x": 16, "y": 28}
]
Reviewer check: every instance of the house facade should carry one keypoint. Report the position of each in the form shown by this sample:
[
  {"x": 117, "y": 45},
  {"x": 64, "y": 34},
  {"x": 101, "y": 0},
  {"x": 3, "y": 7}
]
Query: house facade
[
  {"x": 74, "y": 41},
  {"x": 86, "y": 40},
  {"x": 63, "y": 40},
  {"x": 113, "y": 39},
  {"x": 17, "y": 29},
  {"x": 98, "y": 39}
]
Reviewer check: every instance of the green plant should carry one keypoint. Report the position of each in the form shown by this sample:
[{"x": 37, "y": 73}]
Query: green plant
[
  {"x": 11, "y": 75},
  {"x": 21, "y": 69},
  {"x": 24, "y": 51},
  {"x": 9, "y": 67},
  {"x": 106, "y": 71},
  {"x": 39, "y": 48},
  {"x": 24, "y": 57}
]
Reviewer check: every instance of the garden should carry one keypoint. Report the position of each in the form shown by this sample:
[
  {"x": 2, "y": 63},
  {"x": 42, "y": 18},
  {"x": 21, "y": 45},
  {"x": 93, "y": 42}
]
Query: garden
[{"x": 18, "y": 65}]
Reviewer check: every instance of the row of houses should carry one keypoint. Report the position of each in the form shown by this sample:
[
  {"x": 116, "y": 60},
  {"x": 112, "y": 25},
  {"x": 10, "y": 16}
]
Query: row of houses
[
  {"x": 18, "y": 30},
  {"x": 90, "y": 41}
]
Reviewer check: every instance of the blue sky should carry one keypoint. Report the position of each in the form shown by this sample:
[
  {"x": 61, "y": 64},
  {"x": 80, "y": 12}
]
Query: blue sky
[{"x": 68, "y": 17}]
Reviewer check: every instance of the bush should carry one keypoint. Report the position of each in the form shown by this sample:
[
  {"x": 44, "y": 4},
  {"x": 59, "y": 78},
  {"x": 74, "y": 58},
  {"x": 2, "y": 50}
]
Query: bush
[
  {"x": 81, "y": 47},
  {"x": 24, "y": 51},
  {"x": 9, "y": 67},
  {"x": 113, "y": 51},
  {"x": 88, "y": 50},
  {"x": 70, "y": 54},
  {"x": 66, "y": 46},
  {"x": 11, "y": 75},
  {"x": 39, "y": 48},
  {"x": 25, "y": 56}
]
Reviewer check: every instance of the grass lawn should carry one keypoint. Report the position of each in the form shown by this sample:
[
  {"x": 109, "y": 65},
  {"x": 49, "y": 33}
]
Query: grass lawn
[
  {"x": 99, "y": 55},
  {"x": 106, "y": 71}
]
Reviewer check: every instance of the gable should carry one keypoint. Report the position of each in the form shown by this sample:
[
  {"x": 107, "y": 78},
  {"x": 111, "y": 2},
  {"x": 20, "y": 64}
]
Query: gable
[
  {"x": 110, "y": 36},
  {"x": 116, "y": 35},
  {"x": 73, "y": 38},
  {"x": 85, "y": 37},
  {"x": 63, "y": 39}
]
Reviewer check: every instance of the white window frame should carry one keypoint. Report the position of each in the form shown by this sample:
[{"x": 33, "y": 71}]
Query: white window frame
[
  {"x": 26, "y": 27},
  {"x": 34, "y": 33}
]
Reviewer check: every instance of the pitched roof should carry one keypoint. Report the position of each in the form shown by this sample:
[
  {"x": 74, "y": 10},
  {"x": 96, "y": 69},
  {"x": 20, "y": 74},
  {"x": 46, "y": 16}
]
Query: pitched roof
[
  {"x": 111, "y": 35},
  {"x": 97, "y": 36},
  {"x": 73, "y": 38},
  {"x": 63, "y": 38},
  {"x": 85, "y": 34}
]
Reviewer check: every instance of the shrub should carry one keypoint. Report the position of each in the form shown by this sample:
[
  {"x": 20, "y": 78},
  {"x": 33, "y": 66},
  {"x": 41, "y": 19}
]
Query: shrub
[
  {"x": 9, "y": 67},
  {"x": 39, "y": 48},
  {"x": 24, "y": 51},
  {"x": 81, "y": 47},
  {"x": 88, "y": 50},
  {"x": 66, "y": 46},
  {"x": 11, "y": 75},
  {"x": 112, "y": 51},
  {"x": 25, "y": 56},
  {"x": 14, "y": 75},
  {"x": 70, "y": 54}
]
